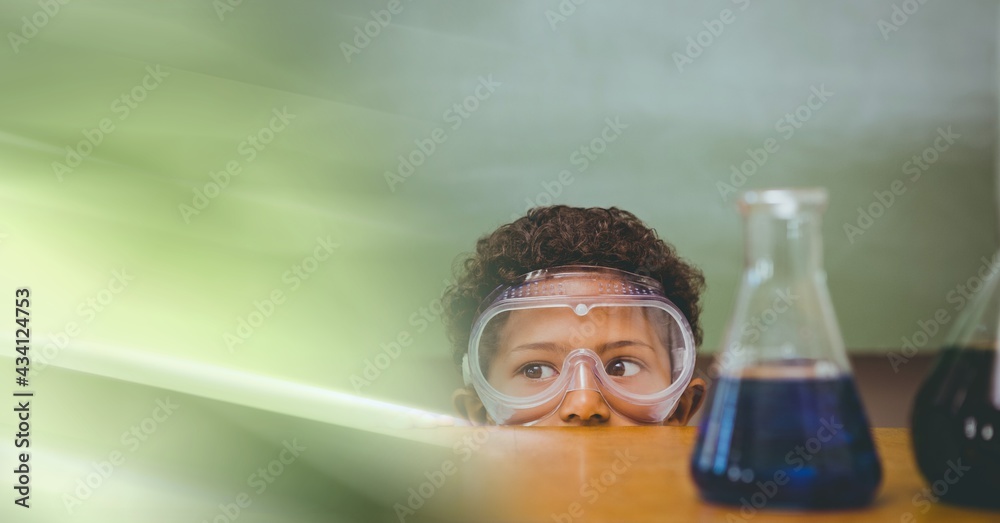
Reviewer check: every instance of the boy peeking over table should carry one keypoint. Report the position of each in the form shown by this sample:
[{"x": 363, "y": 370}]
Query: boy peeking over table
[{"x": 576, "y": 316}]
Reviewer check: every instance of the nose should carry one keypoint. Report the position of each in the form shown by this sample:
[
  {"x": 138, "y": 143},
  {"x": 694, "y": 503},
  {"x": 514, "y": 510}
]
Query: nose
[{"x": 584, "y": 407}]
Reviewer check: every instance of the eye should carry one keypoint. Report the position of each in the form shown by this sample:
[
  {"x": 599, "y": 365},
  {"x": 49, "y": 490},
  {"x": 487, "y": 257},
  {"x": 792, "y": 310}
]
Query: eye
[
  {"x": 537, "y": 371},
  {"x": 621, "y": 367}
]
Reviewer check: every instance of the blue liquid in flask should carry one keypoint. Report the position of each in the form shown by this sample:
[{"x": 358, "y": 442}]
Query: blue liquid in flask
[{"x": 787, "y": 442}]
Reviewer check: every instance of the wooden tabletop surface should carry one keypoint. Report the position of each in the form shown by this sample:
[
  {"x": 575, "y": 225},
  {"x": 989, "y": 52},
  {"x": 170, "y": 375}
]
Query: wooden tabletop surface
[{"x": 638, "y": 474}]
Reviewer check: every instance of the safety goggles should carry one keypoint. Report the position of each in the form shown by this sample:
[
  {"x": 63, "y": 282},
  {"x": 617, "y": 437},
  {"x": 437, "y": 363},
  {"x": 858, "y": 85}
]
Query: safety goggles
[{"x": 572, "y": 328}]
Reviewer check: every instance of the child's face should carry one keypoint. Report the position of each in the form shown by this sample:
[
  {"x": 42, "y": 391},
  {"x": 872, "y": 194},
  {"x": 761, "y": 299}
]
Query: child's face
[
  {"x": 579, "y": 345},
  {"x": 532, "y": 346}
]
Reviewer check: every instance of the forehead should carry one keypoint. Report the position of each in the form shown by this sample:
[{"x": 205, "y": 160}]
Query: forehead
[{"x": 563, "y": 325}]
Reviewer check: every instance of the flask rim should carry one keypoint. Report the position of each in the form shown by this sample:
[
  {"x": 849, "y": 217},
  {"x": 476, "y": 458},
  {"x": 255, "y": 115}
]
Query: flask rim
[{"x": 785, "y": 201}]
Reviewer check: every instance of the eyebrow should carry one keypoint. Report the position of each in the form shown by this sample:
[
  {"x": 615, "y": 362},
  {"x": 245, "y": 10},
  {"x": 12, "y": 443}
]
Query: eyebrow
[
  {"x": 555, "y": 347},
  {"x": 624, "y": 343}
]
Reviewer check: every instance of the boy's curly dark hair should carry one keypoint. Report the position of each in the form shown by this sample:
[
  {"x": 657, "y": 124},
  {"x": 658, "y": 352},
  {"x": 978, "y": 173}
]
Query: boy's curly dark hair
[{"x": 562, "y": 235}]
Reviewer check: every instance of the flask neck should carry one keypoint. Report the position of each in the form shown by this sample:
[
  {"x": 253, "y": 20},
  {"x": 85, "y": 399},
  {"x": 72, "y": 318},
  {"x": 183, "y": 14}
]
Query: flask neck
[{"x": 783, "y": 246}]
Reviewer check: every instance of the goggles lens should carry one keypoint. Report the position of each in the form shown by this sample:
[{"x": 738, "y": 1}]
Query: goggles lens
[{"x": 524, "y": 352}]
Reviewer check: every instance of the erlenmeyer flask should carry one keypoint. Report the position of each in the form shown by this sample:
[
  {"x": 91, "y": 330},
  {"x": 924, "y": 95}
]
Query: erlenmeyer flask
[
  {"x": 785, "y": 426},
  {"x": 956, "y": 414}
]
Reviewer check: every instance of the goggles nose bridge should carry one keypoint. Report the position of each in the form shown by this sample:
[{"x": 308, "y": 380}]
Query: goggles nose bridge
[{"x": 582, "y": 365}]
